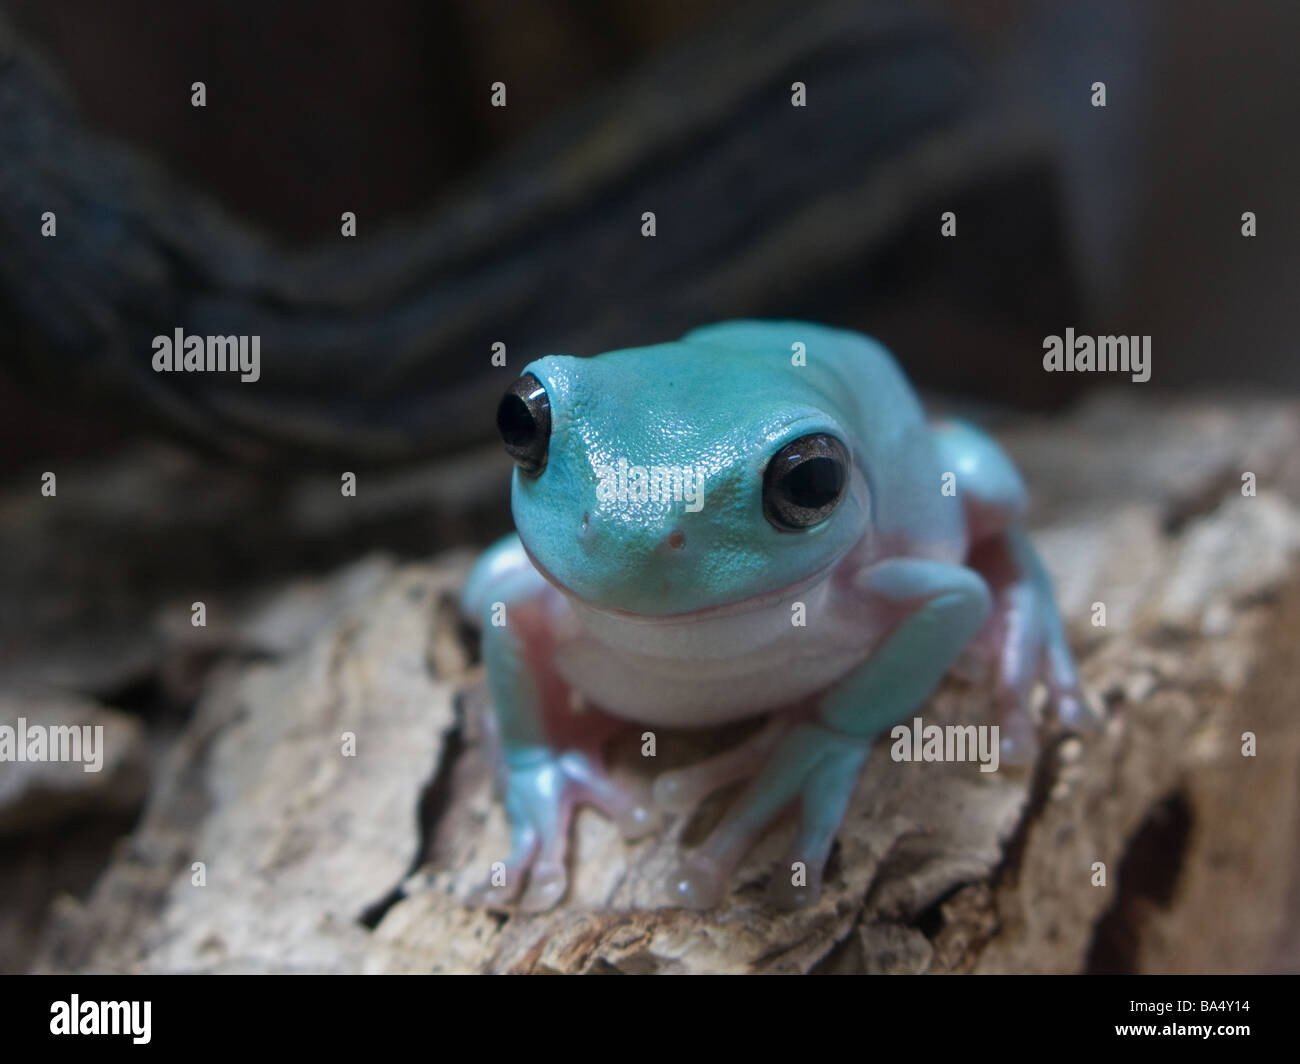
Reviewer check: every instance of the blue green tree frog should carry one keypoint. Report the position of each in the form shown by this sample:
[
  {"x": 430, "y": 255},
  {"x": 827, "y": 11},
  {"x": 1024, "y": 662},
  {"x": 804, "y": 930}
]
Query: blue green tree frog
[{"x": 752, "y": 521}]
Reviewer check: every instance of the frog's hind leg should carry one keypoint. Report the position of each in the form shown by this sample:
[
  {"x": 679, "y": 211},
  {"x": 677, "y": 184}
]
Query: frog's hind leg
[
  {"x": 1012, "y": 641},
  {"x": 1024, "y": 637}
]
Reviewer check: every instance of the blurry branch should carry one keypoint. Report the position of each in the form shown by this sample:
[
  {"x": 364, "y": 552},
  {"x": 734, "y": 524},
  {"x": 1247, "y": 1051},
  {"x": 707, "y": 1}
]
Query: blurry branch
[{"x": 378, "y": 349}]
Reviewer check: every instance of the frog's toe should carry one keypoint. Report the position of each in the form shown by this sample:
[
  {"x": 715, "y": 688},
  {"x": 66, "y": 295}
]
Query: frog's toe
[
  {"x": 698, "y": 882},
  {"x": 1018, "y": 742},
  {"x": 502, "y": 897},
  {"x": 540, "y": 799},
  {"x": 637, "y": 821},
  {"x": 825, "y": 798},
  {"x": 673, "y": 792},
  {"x": 682, "y": 790},
  {"x": 506, "y": 878},
  {"x": 1073, "y": 709},
  {"x": 812, "y": 763},
  {"x": 548, "y": 882},
  {"x": 797, "y": 883},
  {"x": 1067, "y": 702},
  {"x": 628, "y": 806}
]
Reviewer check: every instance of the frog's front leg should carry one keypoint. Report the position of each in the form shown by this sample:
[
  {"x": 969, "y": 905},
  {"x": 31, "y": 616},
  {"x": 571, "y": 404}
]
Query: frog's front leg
[
  {"x": 550, "y": 756},
  {"x": 817, "y": 763}
]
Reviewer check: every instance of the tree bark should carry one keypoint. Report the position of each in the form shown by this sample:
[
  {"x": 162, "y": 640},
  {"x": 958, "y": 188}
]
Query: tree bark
[{"x": 1154, "y": 844}]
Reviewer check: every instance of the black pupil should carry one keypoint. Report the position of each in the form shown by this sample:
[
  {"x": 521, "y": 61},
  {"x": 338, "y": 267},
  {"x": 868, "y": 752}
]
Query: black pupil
[
  {"x": 814, "y": 483},
  {"x": 516, "y": 422}
]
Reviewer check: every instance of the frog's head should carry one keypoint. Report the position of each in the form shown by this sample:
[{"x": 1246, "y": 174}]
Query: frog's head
[{"x": 670, "y": 479}]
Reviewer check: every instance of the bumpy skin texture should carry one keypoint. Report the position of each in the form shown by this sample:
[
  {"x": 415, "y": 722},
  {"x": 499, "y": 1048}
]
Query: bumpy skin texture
[{"x": 668, "y": 613}]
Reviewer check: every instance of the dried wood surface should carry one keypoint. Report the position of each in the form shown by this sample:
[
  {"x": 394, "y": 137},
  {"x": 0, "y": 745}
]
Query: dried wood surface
[{"x": 314, "y": 861}]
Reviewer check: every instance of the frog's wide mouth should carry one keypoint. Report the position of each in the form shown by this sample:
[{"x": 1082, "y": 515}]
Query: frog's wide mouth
[{"x": 749, "y": 604}]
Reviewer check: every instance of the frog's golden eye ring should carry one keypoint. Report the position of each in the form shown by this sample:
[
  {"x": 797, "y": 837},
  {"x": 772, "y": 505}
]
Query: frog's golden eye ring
[
  {"x": 524, "y": 421},
  {"x": 804, "y": 482}
]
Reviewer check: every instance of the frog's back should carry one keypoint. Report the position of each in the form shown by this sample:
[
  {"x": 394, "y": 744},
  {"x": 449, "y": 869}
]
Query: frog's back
[{"x": 856, "y": 377}]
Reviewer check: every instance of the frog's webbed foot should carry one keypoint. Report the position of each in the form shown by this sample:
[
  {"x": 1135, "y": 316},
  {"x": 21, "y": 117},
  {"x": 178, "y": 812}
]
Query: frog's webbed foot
[
  {"x": 540, "y": 797},
  {"x": 807, "y": 763}
]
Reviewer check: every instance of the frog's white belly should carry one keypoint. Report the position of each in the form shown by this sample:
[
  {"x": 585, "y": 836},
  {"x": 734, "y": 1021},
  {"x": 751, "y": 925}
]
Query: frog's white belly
[{"x": 706, "y": 670}]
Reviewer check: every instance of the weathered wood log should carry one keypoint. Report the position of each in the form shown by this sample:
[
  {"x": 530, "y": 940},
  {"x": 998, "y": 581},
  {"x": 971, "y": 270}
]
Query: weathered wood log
[{"x": 314, "y": 860}]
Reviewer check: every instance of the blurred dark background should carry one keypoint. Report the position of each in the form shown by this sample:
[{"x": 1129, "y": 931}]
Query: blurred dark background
[{"x": 386, "y": 111}]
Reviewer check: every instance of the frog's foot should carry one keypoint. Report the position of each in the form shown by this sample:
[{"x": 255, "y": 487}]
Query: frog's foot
[
  {"x": 812, "y": 764},
  {"x": 541, "y": 795},
  {"x": 682, "y": 790},
  {"x": 1016, "y": 652},
  {"x": 1066, "y": 698},
  {"x": 1025, "y": 639}
]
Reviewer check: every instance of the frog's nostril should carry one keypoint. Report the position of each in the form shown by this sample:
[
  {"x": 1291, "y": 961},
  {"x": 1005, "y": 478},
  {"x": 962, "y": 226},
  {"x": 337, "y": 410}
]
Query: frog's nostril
[
  {"x": 677, "y": 539},
  {"x": 586, "y": 534}
]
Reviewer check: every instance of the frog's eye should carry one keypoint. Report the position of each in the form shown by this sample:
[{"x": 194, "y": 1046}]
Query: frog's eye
[
  {"x": 524, "y": 421},
  {"x": 804, "y": 482}
]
